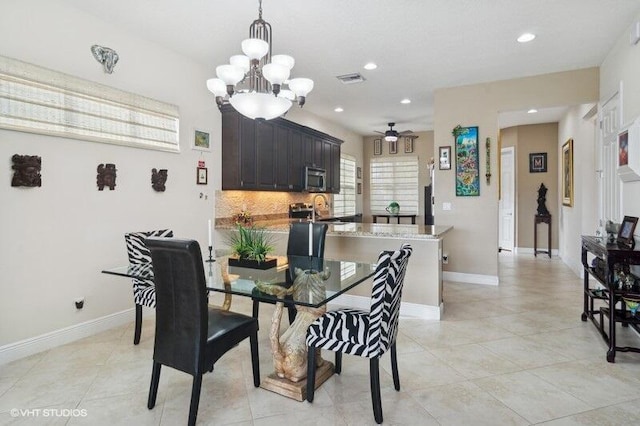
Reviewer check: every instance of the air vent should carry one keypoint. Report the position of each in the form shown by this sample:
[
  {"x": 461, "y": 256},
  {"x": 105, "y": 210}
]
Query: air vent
[{"x": 351, "y": 78}]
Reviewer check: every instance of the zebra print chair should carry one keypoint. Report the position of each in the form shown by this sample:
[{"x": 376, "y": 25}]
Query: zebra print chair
[
  {"x": 144, "y": 292},
  {"x": 367, "y": 334}
]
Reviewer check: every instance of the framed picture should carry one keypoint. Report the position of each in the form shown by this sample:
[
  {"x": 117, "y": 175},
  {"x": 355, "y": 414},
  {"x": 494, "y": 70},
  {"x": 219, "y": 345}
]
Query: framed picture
[
  {"x": 467, "y": 162},
  {"x": 377, "y": 147},
  {"x": 359, "y": 172},
  {"x": 408, "y": 145},
  {"x": 445, "y": 157},
  {"x": 627, "y": 227},
  {"x": 359, "y": 188},
  {"x": 567, "y": 173},
  {"x": 201, "y": 178},
  {"x": 201, "y": 140},
  {"x": 393, "y": 147},
  {"x": 623, "y": 148},
  {"x": 538, "y": 162}
]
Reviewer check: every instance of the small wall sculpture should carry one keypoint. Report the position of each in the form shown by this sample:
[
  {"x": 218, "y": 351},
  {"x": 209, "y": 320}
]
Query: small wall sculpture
[
  {"x": 26, "y": 170},
  {"x": 106, "y": 176},
  {"x": 542, "y": 199},
  {"x": 158, "y": 179}
]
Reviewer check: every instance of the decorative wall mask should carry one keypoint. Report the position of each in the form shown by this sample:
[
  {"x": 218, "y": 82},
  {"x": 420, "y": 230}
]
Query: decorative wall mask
[
  {"x": 26, "y": 170},
  {"x": 158, "y": 179},
  {"x": 106, "y": 176}
]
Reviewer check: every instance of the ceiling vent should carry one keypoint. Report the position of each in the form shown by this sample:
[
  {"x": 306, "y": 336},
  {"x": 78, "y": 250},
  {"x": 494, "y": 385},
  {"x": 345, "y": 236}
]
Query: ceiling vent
[{"x": 352, "y": 78}]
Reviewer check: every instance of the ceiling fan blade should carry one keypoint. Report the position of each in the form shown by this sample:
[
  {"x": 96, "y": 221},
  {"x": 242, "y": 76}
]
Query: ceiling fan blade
[
  {"x": 405, "y": 132},
  {"x": 382, "y": 133}
]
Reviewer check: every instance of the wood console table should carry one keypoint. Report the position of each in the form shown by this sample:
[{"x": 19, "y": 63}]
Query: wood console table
[
  {"x": 610, "y": 293},
  {"x": 412, "y": 216},
  {"x": 541, "y": 218}
]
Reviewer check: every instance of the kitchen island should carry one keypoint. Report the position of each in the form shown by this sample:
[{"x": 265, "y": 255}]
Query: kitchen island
[{"x": 422, "y": 293}]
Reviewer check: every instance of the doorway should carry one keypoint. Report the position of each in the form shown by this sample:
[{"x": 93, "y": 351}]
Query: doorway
[{"x": 506, "y": 226}]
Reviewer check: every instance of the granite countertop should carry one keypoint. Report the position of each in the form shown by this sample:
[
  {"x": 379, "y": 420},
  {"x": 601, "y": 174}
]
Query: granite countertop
[{"x": 382, "y": 230}]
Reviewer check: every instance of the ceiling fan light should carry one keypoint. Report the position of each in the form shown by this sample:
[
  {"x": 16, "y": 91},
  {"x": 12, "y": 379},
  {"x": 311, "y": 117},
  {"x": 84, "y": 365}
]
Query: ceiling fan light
[
  {"x": 230, "y": 74},
  {"x": 275, "y": 73},
  {"x": 240, "y": 61},
  {"x": 391, "y": 138},
  {"x": 284, "y": 60},
  {"x": 260, "y": 105},
  {"x": 217, "y": 87},
  {"x": 301, "y": 86},
  {"x": 255, "y": 48}
]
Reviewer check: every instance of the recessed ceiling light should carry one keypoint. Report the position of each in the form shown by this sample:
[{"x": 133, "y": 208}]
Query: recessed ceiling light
[
  {"x": 532, "y": 111},
  {"x": 370, "y": 66},
  {"x": 526, "y": 37},
  {"x": 405, "y": 101},
  {"x": 338, "y": 109}
]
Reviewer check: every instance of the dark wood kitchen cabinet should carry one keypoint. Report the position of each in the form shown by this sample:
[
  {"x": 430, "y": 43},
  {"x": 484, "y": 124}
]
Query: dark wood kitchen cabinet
[
  {"x": 272, "y": 155},
  {"x": 238, "y": 152}
]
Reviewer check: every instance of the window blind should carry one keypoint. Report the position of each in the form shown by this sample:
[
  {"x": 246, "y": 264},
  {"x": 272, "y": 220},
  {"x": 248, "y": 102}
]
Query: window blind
[
  {"x": 39, "y": 100},
  {"x": 394, "y": 179},
  {"x": 344, "y": 203}
]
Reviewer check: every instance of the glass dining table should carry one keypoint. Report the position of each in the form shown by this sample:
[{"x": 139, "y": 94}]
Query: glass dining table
[{"x": 312, "y": 283}]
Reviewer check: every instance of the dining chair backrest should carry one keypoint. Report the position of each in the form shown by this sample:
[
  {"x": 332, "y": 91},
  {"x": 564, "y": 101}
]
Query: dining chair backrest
[
  {"x": 136, "y": 247},
  {"x": 298, "y": 243},
  {"x": 386, "y": 293},
  {"x": 181, "y": 305}
]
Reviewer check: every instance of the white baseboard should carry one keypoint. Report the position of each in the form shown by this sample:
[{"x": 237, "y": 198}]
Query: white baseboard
[
  {"x": 407, "y": 310},
  {"x": 470, "y": 278},
  {"x": 27, "y": 347}
]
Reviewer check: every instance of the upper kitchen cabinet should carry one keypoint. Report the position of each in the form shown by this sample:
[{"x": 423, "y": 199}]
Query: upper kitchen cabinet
[
  {"x": 238, "y": 152},
  {"x": 271, "y": 155}
]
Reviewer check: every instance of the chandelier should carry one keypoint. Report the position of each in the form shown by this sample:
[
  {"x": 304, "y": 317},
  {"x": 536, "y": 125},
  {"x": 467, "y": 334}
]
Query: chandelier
[{"x": 253, "y": 83}]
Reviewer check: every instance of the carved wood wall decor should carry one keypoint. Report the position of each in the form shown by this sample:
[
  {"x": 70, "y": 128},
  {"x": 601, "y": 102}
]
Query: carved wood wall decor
[
  {"x": 26, "y": 170},
  {"x": 158, "y": 179},
  {"x": 106, "y": 176}
]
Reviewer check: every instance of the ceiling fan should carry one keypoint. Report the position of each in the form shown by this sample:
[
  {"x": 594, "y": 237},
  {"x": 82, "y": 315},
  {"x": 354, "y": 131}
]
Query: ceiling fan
[{"x": 392, "y": 135}]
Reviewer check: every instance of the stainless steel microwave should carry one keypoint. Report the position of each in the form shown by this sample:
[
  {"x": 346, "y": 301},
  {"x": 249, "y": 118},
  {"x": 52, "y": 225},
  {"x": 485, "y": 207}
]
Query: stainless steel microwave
[{"x": 315, "y": 179}]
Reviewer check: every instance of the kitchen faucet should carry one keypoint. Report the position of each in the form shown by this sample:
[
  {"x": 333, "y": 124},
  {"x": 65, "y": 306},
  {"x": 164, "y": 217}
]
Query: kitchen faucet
[{"x": 313, "y": 210}]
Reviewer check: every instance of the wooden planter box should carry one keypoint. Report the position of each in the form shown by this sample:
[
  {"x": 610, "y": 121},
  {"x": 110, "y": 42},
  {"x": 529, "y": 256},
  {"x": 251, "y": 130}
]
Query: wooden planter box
[{"x": 254, "y": 264}]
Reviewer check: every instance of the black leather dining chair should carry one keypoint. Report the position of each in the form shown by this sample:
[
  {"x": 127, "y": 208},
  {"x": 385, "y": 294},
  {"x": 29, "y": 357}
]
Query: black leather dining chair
[
  {"x": 298, "y": 245},
  {"x": 191, "y": 335}
]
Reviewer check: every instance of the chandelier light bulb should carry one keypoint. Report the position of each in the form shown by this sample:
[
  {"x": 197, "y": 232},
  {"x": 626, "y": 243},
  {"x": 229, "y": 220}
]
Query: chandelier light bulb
[
  {"x": 284, "y": 60},
  {"x": 275, "y": 73},
  {"x": 301, "y": 86},
  {"x": 230, "y": 74},
  {"x": 217, "y": 87},
  {"x": 240, "y": 61},
  {"x": 255, "y": 48}
]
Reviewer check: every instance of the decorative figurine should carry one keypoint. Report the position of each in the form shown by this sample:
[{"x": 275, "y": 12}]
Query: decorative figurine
[
  {"x": 27, "y": 170},
  {"x": 158, "y": 179},
  {"x": 542, "y": 199},
  {"x": 106, "y": 176}
]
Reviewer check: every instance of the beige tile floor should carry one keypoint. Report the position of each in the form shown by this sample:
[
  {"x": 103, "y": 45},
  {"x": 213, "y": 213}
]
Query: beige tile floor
[{"x": 511, "y": 354}]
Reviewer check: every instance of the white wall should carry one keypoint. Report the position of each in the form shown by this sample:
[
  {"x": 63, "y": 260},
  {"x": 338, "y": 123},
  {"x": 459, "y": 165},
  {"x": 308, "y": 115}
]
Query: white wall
[
  {"x": 622, "y": 64},
  {"x": 582, "y": 217},
  {"x": 56, "y": 239}
]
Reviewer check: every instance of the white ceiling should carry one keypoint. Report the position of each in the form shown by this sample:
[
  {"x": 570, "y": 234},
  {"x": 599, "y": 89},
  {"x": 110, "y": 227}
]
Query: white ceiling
[{"x": 419, "y": 45}]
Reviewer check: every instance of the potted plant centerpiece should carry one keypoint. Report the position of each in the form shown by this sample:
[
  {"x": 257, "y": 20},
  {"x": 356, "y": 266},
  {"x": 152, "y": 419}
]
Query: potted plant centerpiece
[{"x": 250, "y": 247}]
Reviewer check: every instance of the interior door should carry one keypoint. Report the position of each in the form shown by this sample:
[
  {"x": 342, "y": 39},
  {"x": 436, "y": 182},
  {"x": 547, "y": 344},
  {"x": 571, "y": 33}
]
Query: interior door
[
  {"x": 506, "y": 229},
  {"x": 609, "y": 194}
]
